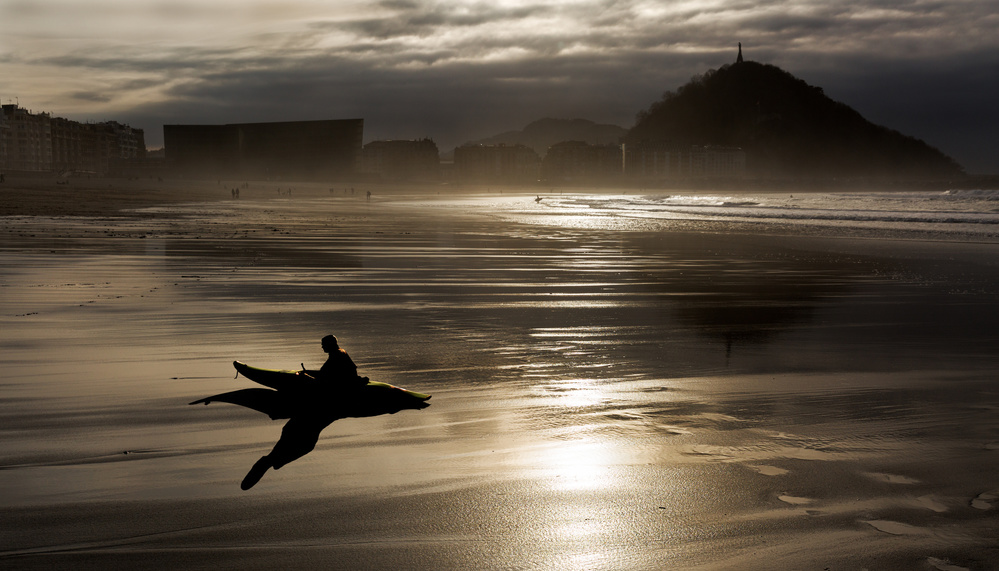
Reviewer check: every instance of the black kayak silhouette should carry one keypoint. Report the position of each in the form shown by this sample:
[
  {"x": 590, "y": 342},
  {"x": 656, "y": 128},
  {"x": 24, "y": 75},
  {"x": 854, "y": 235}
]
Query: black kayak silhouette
[{"x": 310, "y": 405}]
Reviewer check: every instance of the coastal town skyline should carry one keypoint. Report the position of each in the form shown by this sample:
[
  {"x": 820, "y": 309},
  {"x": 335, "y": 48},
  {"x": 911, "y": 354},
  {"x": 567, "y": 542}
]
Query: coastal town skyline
[{"x": 464, "y": 71}]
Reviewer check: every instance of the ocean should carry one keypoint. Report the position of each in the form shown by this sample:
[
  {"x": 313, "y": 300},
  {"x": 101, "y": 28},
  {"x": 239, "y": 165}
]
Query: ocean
[{"x": 969, "y": 215}]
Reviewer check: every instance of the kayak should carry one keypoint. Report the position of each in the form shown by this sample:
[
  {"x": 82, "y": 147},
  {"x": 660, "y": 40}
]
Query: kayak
[{"x": 297, "y": 393}]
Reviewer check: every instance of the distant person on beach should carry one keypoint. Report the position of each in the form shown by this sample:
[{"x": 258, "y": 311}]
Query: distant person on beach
[{"x": 369, "y": 195}]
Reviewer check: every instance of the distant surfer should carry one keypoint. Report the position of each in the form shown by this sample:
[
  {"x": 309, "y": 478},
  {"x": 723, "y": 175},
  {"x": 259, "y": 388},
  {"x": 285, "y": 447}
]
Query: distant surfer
[{"x": 538, "y": 199}]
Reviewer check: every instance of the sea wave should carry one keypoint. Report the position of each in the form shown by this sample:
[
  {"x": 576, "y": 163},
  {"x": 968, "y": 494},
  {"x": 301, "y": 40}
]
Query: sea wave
[{"x": 971, "y": 212}]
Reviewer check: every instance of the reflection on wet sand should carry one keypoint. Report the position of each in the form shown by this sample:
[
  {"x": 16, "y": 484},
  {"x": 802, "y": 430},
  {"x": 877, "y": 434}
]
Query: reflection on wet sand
[{"x": 602, "y": 399}]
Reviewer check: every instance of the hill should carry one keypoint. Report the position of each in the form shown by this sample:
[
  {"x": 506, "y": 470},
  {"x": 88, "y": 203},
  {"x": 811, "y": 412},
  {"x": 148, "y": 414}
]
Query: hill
[
  {"x": 786, "y": 126},
  {"x": 544, "y": 133}
]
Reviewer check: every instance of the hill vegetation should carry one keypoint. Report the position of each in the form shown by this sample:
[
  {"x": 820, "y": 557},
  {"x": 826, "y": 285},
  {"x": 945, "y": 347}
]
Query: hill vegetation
[{"x": 786, "y": 126}]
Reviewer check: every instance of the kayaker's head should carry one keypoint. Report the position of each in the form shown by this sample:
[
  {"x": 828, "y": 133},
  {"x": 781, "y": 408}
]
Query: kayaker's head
[{"x": 330, "y": 344}]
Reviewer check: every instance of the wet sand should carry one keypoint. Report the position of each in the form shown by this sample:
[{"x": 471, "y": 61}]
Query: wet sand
[{"x": 705, "y": 397}]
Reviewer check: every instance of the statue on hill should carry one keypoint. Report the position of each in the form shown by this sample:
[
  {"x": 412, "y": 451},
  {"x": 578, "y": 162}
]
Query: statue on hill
[{"x": 739, "y": 58}]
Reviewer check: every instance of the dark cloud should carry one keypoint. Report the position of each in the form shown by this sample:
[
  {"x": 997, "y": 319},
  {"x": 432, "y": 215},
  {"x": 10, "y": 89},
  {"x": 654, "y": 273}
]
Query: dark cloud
[
  {"x": 91, "y": 96},
  {"x": 442, "y": 101},
  {"x": 192, "y": 60},
  {"x": 421, "y": 20}
]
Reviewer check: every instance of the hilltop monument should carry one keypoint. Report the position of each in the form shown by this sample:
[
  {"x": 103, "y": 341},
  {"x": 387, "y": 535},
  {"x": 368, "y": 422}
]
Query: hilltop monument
[{"x": 739, "y": 58}]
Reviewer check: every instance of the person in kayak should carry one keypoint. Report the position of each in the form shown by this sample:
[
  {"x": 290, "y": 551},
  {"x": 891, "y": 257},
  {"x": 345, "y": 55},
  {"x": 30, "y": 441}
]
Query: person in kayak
[{"x": 338, "y": 368}]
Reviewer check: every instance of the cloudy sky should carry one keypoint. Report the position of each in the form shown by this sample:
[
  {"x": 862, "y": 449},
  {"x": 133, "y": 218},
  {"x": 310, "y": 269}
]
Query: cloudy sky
[{"x": 460, "y": 70}]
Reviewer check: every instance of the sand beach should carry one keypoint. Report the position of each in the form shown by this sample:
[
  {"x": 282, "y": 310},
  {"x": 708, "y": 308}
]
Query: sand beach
[{"x": 610, "y": 391}]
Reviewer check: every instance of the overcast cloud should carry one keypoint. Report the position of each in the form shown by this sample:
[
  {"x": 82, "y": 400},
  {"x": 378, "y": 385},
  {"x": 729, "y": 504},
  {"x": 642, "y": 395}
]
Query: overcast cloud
[{"x": 457, "y": 71}]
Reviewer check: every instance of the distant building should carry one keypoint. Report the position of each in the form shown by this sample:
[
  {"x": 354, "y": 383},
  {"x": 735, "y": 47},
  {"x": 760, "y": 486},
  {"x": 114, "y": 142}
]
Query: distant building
[
  {"x": 283, "y": 150},
  {"x": 659, "y": 160},
  {"x": 402, "y": 160},
  {"x": 496, "y": 163},
  {"x": 124, "y": 142},
  {"x": 69, "y": 141},
  {"x": 723, "y": 161},
  {"x": 581, "y": 161},
  {"x": 28, "y": 139},
  {"x": 4, "y": 135},
  {"x": 99, "y": 148},
  {"x": 42, "y": 143}
]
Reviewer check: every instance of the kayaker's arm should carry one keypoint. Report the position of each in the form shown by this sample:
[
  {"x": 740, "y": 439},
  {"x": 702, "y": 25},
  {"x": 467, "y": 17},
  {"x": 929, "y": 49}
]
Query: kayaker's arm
[{"x": 305, "y": 373}]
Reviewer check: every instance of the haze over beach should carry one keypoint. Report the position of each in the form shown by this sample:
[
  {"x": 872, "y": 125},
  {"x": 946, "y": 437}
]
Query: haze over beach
[{"x": 762, "y": 337}]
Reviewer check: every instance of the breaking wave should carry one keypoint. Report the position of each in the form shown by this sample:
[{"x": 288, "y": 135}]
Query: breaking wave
[{"x": 974, "y": 213}]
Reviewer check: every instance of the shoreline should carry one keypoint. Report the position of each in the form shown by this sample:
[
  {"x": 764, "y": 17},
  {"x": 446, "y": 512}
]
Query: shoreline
[
  {"x": 27, "y": 211},
  {"x": 36, "y": 195}
]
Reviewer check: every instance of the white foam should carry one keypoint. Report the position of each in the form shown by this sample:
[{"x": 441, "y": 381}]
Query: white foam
[
  {"x": 769, "y": 470},
  {"x": 794, "y": 500},
  {"x": 984, "y": 500},
  {"x": 962, "y": 212}
]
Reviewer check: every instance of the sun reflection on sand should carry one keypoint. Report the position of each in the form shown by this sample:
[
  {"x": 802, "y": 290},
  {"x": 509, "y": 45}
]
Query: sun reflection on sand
[
  {"x": 581, "y": 465},
  {"x": 572, "y": 393}
]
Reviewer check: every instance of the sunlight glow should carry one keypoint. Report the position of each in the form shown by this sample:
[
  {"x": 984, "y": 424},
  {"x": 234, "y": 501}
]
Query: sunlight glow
[
  {"x": 573, "y": 393},
  {"x": 579, "y": 465}
]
